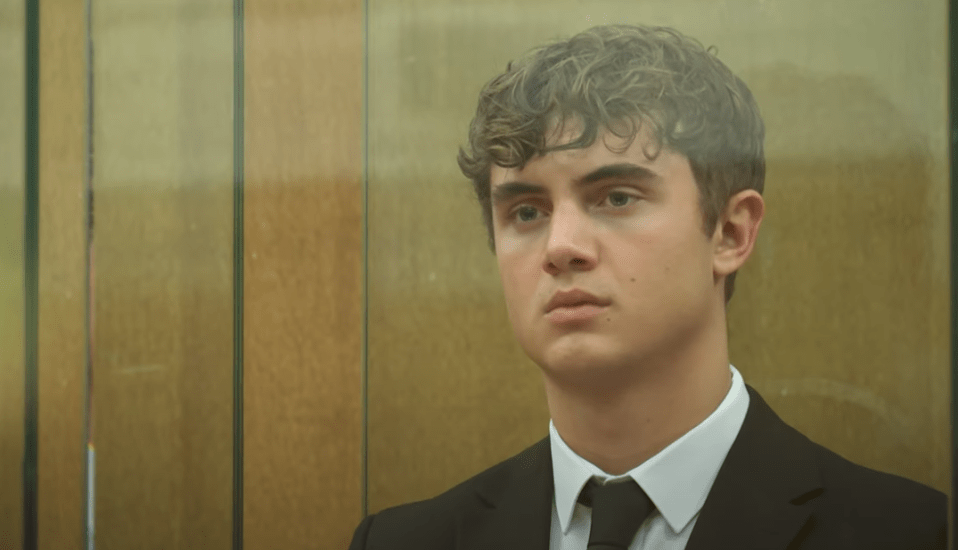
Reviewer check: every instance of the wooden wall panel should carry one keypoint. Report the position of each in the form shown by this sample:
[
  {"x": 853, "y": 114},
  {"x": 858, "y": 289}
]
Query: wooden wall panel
[
  {"x": 60, "y": 346},
  {"x": 12, "y": 74},
  {"x": 303, "y": 247},
  {"x": 163, "y": 274},
  {"x": 857, "y": 197},
  {"x": 62, "y": 380},
  {"x": 840, "y": 318}
]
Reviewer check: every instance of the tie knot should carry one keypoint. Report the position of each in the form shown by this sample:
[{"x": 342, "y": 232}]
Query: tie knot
[{"x": 618, "y": 509}]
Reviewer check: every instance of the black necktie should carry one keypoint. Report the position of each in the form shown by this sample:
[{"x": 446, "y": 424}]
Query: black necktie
[{"x": 618, "y": 509}]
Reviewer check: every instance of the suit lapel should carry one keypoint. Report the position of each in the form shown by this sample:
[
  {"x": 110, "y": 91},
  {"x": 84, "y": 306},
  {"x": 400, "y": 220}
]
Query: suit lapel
[
  {"x": 765, "y": 490},
  {"x": 762, "y": 498},
  {"x": 513, "y": 505}
]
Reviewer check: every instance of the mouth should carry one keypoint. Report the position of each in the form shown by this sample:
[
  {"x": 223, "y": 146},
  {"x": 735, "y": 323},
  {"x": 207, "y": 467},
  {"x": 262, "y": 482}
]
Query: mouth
[
  {"x": 574, "y": 306},
  {"x": 574, "y": 313},
  {"x": 575, "y": 298}
]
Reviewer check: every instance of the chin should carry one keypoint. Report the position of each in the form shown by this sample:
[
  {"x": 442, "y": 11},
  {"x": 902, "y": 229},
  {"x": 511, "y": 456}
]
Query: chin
[
  {"x": 576, "y": 357},
  {"x": 592, "y": 378}
]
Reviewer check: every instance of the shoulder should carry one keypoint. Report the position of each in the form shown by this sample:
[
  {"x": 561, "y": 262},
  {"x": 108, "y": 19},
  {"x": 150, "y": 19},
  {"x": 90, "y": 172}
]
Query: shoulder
[
  {"x": 847, "y": 477},
  {"x": 863, "y": 504},
  {"x": 850, "y": 505},
  {"x": 424, "y": 524},
  {"x": 431, "y": 523},
  {"x": 771, "y": 441}
]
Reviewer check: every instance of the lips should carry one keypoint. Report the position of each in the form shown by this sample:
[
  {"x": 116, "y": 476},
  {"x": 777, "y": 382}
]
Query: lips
[{"x": 572, "y": 298}]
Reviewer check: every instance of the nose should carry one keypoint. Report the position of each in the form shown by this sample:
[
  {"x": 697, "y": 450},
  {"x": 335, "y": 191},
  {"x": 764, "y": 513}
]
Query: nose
[{"x": 571, "y": 245}]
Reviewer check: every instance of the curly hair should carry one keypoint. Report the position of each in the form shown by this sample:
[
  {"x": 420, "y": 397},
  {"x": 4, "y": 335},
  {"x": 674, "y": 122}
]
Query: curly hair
[{"x": 619, "y": 77}]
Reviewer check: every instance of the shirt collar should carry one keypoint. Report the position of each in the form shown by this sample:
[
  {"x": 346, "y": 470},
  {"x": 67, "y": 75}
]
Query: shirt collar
[{"x": 677, "y": 479}]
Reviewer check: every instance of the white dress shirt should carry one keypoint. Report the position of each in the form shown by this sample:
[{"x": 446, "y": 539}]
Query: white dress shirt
[{"x": 677, "y": 479}]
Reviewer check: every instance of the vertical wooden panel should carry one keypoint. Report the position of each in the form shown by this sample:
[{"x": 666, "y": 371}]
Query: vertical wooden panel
[
  {"x": 163, "y": 361},
  {"x": 841, "y": 313},
  {"x": 303, "y": 245},
  {"x": 12, "y": 137},
  {"x": 61, "y": 359}
]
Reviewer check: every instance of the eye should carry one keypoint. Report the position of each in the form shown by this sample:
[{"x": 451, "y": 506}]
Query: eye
[
  {"x": 619, "y": 199},
  {"x": 524, "y": 213}
]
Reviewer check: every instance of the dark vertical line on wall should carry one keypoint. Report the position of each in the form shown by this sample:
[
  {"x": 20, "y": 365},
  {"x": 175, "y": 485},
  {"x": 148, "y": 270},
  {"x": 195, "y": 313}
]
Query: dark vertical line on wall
[
  {"x": 953, "y": 156},
  {"x": 88, "y": 504},
  {"x": 364, "y": 353},
  {"x": 31, "y": 268},
  {"x": 31, "y": 271},
  {"x": 238, "y": 181},
  {"x": 953, "y": 152}
]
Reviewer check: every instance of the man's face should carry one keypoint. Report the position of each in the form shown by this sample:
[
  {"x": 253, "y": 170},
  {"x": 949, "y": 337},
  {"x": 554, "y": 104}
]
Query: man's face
[{"x": 621, "y": 227}]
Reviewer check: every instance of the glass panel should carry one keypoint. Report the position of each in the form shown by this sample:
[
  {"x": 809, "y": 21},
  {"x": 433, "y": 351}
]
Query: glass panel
[
  {"x": 841, "y": 313},
  {"x": 162, "y": 273},
  {"x": 302, "y": 282},
  {"x": 11, "y": 270},
  {"x": 63, "y": 285}
]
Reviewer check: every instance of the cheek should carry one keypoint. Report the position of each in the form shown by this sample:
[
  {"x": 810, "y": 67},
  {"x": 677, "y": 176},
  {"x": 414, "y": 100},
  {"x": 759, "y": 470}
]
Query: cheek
[
  {"x": 506, "y": 244},
  {"x": 518, "y": 280},
  {"x": 658, "y": 258},
  {"x": 687, "y": 263}
]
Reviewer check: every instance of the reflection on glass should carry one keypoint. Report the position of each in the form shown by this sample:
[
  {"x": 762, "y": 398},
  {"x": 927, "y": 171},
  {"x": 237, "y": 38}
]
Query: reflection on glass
[{"x": 162, "y": 385}]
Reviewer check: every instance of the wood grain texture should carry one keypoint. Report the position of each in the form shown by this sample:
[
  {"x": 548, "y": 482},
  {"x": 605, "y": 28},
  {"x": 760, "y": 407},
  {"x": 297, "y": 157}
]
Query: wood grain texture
[
  {"x": 163, "y": 274},
  {"x": 12, "y": 75},
  {"x": 61, "y": 359},
  {"x": 303, "y": 258},
  {"x": 863, "y": 366},
  {"x": 840, "y": 317}
]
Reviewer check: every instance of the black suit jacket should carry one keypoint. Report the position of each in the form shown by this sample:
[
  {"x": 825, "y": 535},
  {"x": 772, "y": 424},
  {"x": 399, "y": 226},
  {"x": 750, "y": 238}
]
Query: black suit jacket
[{"x": 775, "y": 490}]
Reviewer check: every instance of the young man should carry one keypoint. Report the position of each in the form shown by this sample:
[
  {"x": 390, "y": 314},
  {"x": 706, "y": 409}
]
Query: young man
[{"x": 620, "y": 174}]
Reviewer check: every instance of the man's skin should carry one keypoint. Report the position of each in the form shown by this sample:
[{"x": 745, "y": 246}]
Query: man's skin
[{"x": 628, "y": 376}]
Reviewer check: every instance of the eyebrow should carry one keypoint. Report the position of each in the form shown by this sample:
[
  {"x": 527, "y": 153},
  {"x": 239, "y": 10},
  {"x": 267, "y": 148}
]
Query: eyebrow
[{"x": 509, "y": 190}]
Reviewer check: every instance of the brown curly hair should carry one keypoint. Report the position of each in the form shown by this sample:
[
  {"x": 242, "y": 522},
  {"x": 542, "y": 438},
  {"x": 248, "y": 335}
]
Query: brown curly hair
[{"x": 620, "y": 77}]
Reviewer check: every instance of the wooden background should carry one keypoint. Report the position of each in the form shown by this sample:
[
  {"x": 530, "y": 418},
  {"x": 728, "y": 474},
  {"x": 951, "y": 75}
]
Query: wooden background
[
  {"x": 840, "y": 318},
  {"x": 11, "y": 270}
]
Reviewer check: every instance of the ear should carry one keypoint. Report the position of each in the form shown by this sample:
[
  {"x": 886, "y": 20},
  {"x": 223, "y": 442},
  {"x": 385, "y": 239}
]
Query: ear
[{"x": 737, "y": 232}]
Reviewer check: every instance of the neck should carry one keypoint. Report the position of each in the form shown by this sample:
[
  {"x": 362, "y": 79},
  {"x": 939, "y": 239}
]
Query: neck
[{"x": 619, "y": 424}]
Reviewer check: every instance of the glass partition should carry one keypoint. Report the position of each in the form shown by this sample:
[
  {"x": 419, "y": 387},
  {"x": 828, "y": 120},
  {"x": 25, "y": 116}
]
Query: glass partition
[
  {"x": 142, "y": 307},
  {"x": 380, "y": 366},
  {"x": 12, "y": 160},
  {"x": 840, "y": 318},
  {"x": 162, "y": 277}
]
